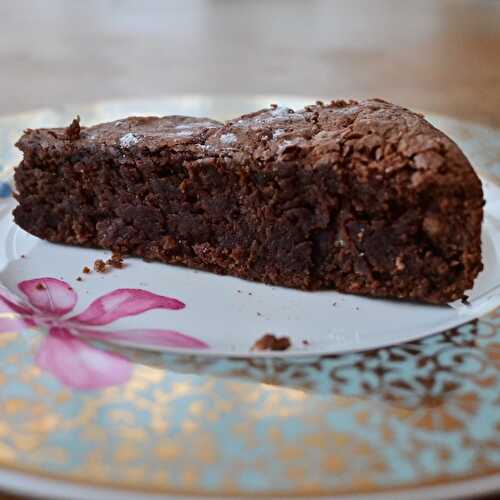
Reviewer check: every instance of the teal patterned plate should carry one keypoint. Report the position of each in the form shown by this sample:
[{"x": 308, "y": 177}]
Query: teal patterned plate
[{"x": 80, "y": 417}]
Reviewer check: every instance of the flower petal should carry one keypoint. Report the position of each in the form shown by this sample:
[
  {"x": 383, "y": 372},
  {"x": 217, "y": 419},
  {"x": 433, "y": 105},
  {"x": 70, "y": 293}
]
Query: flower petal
[
  {"x": 124, "y": 302},
  {"x": 79, "y": 365},
  {"x": 49, "y": 295},
  {"x": 9, "y": 303},
  {"x": 147, "y": 336}
]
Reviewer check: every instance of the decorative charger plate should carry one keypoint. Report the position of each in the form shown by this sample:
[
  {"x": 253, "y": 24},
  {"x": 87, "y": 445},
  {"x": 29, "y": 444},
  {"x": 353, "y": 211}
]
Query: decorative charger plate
[{"x": 193, "y": 411}]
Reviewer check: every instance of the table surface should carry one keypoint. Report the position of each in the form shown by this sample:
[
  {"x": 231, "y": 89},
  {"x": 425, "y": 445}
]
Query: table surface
[{"x": 441, "y": 56}]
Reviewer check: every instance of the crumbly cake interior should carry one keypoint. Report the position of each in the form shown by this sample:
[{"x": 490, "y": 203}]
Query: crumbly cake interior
[{"x": 363, "y": 197}]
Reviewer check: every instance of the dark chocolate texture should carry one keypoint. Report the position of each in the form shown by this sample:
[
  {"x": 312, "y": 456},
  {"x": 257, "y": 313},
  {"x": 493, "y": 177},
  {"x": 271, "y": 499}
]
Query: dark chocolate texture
[{"x": 362, "y": 197}]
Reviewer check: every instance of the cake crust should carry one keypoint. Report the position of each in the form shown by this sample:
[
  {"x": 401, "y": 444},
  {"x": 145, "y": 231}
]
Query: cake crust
[{"x": 363, "y": 197}]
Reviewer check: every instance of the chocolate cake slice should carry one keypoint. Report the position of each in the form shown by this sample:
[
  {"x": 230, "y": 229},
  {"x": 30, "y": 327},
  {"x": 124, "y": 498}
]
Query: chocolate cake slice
[{"x": 362, "y": 197}]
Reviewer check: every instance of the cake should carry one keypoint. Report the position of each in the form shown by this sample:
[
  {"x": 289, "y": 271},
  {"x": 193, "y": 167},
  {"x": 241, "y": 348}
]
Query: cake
[{"x": 361, "y": 197}]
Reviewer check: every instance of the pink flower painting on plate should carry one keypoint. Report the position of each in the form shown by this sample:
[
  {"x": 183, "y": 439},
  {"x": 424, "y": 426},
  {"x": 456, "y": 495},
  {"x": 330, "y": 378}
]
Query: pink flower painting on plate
[{"x": 65, "y": 351}]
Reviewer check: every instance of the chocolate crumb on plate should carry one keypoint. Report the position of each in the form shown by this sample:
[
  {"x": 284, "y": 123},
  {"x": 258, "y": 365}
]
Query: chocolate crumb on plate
[
  {"x": 100, "y": 266},
  {"x": 79, "y": 278},
  {"x": 40, "y": 286},
  {"x": 116, "y": 261},
  {"x": 465, "y": 300},
  {"x": 305, "y": 342},
  {"x": 86, "y": 270},
  {"x": 269, "y": 342}
]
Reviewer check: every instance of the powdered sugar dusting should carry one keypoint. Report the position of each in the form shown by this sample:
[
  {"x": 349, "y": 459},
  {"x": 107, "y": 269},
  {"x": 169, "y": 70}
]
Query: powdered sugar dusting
[
  {"x": 196, "y": 125},
  {"x": 184, "y": 133},
  {"x": 296, "y": 117},
  {"x": 286, "y": 114},
  {"x": 207, "y": 148},
  {"x": 128, "y": 140},
  {"x": 287, "y": 143},
  {"x": 228, "y": 138},
  {"x": 281, "y": 112}
]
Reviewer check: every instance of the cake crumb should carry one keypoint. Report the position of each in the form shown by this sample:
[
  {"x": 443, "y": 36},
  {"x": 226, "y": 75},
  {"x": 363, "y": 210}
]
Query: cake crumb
[
  {"x": 40, "y": 286},
  {"x": 79, "y": 278},
  {"x": 305, "y": 342},
  {"x": 100, "y": 266},
  {"x": 86, "y": 270},
  {"x": 465, "y": 300},
  {"x": 334, "y": 304},
  {"x": 269, "y": 342},
  {"x": 116, "y": 261},
  {"x": 23, "y": 256},
  {"x": 72, "y": 133}
]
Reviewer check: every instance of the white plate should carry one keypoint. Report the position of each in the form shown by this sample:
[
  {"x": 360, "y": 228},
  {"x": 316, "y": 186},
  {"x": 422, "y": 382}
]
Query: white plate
[{"x": 229, "y": 314}]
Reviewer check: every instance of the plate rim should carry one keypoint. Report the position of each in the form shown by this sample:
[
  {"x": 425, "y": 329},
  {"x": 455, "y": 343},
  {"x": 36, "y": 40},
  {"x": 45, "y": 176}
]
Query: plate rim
[{"x": 468, "y": 487}]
